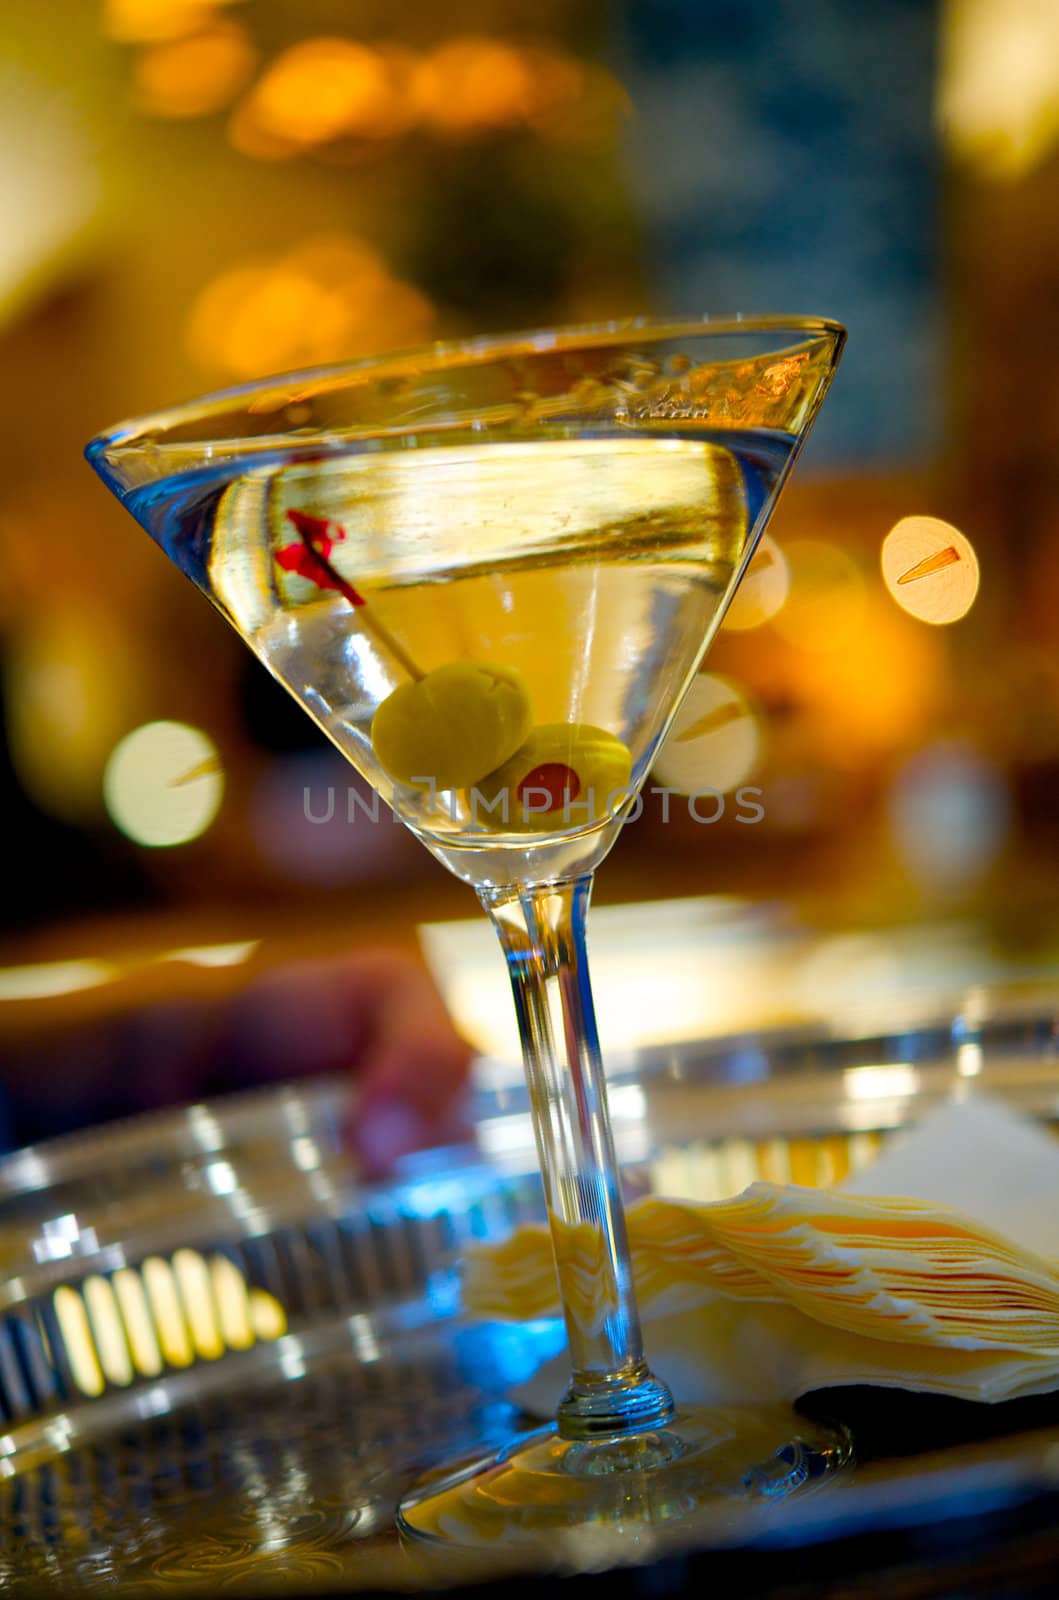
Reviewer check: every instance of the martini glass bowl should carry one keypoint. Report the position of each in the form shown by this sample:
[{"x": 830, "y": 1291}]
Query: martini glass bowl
[{"x": 489, "y": 571}]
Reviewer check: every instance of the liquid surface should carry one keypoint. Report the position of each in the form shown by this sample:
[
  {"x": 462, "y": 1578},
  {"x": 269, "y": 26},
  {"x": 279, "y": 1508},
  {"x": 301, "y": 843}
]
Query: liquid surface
[{"x": 577, "y": 581}]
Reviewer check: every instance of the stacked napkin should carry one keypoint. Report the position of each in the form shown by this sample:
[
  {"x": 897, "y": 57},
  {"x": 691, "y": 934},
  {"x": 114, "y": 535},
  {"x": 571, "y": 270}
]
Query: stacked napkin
[{"x": 786, "y": 1289}]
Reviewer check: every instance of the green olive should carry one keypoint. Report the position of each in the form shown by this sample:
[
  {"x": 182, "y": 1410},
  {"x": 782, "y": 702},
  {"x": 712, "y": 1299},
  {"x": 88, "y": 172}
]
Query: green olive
[
  {"x": 452, "y": 726},
  {"x": 567, "y": 774}
]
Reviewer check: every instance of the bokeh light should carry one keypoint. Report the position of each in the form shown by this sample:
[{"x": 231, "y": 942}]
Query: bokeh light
[
  {"x": 162, "y": 784},
  {"x": 763, "y": 590},
  {"x": 825, "y": 606},
  {"x": 71, "y": 689},
  {"x": 998, "y": 94},
  {"x": 950, "y": 814},
  {"x": 148, "y": 21},
  {"x": 325, "y": 89},
  {"x": 883, "y": 691},
  {"x": 323, "y": 92},
  {"x": 194, "y": 76},
  {"x": 471, "y": 86},
  {"x": 50, "y": 189},
  {"x": 329, "y": 298},
  {"x": 474, "y": 86},
  {"x": 47, "y": 979},
  {"x": 714, "y": 742},
  {"x": 930, "y": 569}
]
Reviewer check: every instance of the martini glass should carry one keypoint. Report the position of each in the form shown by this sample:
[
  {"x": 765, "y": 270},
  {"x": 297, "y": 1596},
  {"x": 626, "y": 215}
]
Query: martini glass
[{"x": 489, "y": 571}]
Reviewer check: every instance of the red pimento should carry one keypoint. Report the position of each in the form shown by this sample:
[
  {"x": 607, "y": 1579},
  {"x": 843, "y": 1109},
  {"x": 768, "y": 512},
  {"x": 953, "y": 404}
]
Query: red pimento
[
  {"x": 308, "y": 556},
  {"x": 556, "y": 779}
]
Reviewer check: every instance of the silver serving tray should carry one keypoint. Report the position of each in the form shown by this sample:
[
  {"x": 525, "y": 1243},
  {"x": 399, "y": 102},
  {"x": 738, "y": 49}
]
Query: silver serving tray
[{"x": 222, "y": 1356}]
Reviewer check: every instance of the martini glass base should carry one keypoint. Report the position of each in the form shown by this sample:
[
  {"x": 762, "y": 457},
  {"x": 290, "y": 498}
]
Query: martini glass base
[{"x": 628, "y": 1487}]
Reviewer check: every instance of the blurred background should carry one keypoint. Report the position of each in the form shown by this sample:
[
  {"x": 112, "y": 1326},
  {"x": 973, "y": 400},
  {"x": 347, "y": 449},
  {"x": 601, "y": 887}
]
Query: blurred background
[{"x": 194, "y": 192}]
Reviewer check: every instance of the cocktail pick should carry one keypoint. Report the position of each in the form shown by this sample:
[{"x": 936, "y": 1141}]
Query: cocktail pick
[{"x": 309, "y": 557}]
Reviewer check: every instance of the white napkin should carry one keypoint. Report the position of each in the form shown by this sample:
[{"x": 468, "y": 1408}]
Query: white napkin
[
  {"x": 979, "y": 1157},
  {"x": 786, "y": 1290}
]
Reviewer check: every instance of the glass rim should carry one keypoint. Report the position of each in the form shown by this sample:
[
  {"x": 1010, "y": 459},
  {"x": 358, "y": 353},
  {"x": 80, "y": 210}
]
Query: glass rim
[{"x": 475, "y": 350}]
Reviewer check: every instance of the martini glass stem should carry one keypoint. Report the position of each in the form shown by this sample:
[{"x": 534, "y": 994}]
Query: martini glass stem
[{"x": 542, "y": 933}]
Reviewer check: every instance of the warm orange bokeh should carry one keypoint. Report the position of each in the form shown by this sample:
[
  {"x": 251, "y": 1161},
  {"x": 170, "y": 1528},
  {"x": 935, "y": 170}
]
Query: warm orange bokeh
[
  {"x": 323, "y": 91},
  {"x": 329, "y": 298},
  {"x": 149, "y": 21},
  {"x": 197, "y": 75},
  {"x": 326, "y": 89}
]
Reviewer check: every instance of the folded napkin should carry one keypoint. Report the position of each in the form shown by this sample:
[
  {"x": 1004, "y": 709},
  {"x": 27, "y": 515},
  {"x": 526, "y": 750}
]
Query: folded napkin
[{"x": 785, "y": 1289}]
